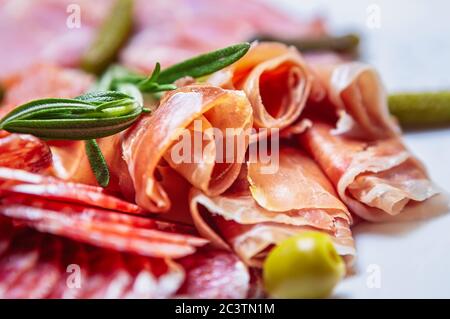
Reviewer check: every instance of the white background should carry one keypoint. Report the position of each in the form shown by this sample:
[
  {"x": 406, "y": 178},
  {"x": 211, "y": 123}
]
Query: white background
[{"x": 411, "y": 50}]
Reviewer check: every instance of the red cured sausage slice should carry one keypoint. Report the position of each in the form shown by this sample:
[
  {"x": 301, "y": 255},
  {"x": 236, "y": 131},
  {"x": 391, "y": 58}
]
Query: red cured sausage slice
[
  {"x": 38, "y": 281},
  {"x": 99, "y": 227},
  {"x": 21, "y": 257},
  {"x": 24, "y": 152},
  {"x": 215, "y": 274},
  {"x": 18, "y": 181}
]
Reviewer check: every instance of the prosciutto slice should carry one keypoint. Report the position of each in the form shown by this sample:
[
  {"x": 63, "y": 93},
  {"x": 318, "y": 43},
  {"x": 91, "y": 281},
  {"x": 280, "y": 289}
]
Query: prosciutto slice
[
  {"x": 356, "y": 94},
  {"x": 358, "y": 145},
  {"x": 183, "y": 116},
  {"x": 378, "y": 180},
  {"x": 259, "y": 211},
  {"x": 276, "y": 80}
]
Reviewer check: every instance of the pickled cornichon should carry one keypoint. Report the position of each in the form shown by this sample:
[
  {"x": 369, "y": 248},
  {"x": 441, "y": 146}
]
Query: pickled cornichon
[
  {"x": 111, "y": 36},
  {"x": 421, "y": 109},
  {"x": 303, "y": 266}
]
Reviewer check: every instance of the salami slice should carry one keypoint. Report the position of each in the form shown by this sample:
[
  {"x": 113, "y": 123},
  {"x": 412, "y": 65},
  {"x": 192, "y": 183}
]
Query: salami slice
[
  {"x": 21, "y": 182},
  {"x": 24, "y": 152},
  {"x": 99, "y": 227},
  {"x": 215, "y": 274}
]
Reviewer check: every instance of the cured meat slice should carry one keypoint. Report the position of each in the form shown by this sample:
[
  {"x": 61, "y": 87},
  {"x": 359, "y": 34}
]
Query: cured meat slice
[
  {"x": 20, "y": 258},
  {"x": 54, "y": 267},
  {"x": 378, "y": 179},
  {"x": 153, "y": 278},
  {"x": 185, "y": 114},
  {"x": 48, "y": 81},
  {"x": 21, "y": 182},
  {"x": 47, "y": 266},
  {"x": 258, "y": 212},
  {"x": 38, "y": 281},
  {"x": 24, "y": 152},
  {"x": 99, "y": 227},
  {"x": 214, "y": 274},
  {"x": 355, "y": 92},
  {"x": 47, "y": 31},
  {"x": 6, "y": 234},
  {"x": 106, "y": 276},
  {"x": 276, "y": 80},
  {"x": 74, "y": 265},
  {"x": 180, "y": 29}
]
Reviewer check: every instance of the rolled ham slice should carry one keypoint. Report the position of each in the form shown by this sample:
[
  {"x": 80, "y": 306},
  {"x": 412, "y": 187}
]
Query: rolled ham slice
[
  {"x": 276, "y": 80},
  {"x": 378, "y": 180},
  {"x": 260, "y": 210},
  {"x": 355, "y": 92},
  {"x": 166, "y": 138}
]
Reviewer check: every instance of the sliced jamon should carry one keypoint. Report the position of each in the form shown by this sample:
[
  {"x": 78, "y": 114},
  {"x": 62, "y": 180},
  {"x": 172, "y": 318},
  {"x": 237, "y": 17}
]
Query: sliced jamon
[
  {"x": 20, "y": 182},
  {"x": 275, "y": 79},
  {"x": 24, "y": 152},
  {"x": 355, "y": 92},
  {"x": 184, "y": 115},
  {"x": 257, "y": 212},
  {"x": 379, "y": 179},
  {"x": 41, "y": 279},
  {"x": 99, "y": 227},
  {"x": 214, "y": 274}
]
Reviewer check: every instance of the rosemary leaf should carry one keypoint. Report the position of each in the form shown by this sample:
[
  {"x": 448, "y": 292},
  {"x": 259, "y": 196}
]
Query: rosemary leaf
[
  {"x": 97, "y": 162},
  {"x": 204, "y": 64}
]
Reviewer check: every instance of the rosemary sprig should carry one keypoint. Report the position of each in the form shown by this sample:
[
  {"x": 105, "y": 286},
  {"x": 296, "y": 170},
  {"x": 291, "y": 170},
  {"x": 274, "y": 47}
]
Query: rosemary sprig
[
  {"x": 97, "y": 162},
  {"x": 114, "y": 105},
  {"x": 89, "y": 116},
  {"x": 159, "y": 81}
]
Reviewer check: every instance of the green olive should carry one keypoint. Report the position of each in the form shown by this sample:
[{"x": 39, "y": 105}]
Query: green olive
[{"x": 303, "y": 266}]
